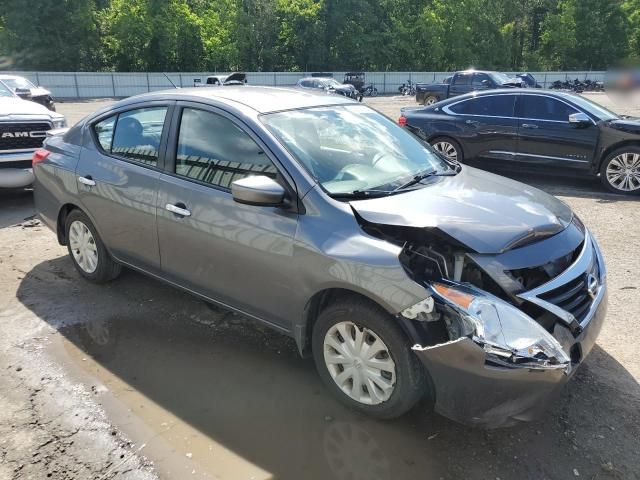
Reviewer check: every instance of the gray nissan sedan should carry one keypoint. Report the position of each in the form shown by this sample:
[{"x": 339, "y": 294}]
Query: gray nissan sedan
[{"x": 402, "y": 272}]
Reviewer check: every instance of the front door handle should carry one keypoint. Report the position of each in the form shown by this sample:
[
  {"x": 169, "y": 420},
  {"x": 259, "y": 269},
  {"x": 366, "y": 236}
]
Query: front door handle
[
  {"x": 88, "y": 181},
  {"x": 178, "y": 209},
  {"x": 529, "y": 125}
]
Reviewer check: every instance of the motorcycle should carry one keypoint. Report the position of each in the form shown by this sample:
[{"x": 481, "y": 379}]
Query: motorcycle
[
  {"x": 407, "y": 88},
  {"x": 370, "y": 91}
]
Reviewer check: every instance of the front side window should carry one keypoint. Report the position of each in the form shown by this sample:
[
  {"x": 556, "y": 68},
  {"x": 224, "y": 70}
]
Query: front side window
[
  {"x": 353, "y": 148},
  {"x": 136, "y": 135},
  {"x": 538, "y": 107},
  {"x": 478, "y": 78},
  {"x": 18, "y": 82},
  {"x": 489, "y": 106},
  {"x": 4, "y": 90},
  {"x": 214, "y": 150}
]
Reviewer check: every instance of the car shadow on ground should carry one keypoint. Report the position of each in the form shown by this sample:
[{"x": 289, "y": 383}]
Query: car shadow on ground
[{"x": 245, "y": 387}]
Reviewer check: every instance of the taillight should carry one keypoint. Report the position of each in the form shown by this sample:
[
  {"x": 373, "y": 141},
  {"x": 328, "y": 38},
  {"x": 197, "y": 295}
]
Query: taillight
[
  {"x": 402, "y": 121},
  {"x": 39, "y": 155}
]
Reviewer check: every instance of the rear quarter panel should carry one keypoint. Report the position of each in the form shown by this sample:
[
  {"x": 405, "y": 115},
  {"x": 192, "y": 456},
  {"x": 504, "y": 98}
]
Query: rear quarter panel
[{"x": 55, "y": 182}]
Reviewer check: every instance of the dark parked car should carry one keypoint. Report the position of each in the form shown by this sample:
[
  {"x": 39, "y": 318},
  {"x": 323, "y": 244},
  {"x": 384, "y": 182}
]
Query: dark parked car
[
  {"x": 329, "y": 85},
  {"x": 545, "y": 131},
  {"x": 529, "y": 80},
  {"x": 28, "y": 91},
  {"x": 463, "y": 82},
  {"x": 356, "y": 79},
  {"x": 401, "y": 272}
]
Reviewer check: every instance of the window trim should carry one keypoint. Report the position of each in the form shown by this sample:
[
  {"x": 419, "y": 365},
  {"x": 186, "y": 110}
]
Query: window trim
[
  {"x": 169, "y": 105},
  {"x": 171, "y": 150},
  {"x": 447, "y": 110}
]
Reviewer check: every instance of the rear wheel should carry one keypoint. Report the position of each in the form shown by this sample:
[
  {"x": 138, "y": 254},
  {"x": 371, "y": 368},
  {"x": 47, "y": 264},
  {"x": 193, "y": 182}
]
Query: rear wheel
[
  {"x": 365, "y": 360},
  {"x": 88, "y": 253},
  {"x": 449, "y": 148},
  {"x": 620, "y": 171},
  {"x": 430, "y": 100}
]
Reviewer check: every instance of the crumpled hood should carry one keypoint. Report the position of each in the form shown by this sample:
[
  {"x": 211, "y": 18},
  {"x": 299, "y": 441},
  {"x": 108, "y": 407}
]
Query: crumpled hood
[{"x": 488, "y": 213}]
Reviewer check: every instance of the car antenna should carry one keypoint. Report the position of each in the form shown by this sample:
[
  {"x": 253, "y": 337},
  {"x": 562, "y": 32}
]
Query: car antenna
[{"x": 170, "y": 81}]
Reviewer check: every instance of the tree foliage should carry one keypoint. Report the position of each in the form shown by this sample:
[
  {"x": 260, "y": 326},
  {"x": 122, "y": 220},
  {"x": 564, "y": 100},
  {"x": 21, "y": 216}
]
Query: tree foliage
[{"x": 307, "y": 35}]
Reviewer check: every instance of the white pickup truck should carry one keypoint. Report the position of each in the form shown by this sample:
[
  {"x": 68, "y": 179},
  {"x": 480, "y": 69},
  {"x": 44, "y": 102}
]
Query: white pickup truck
[{"x": 23, "y": 127}]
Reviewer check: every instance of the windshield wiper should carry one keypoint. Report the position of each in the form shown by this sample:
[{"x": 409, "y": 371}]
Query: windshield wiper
[
  {"x": 424, "y": 175},
  {"x": 368, "y": 193}
]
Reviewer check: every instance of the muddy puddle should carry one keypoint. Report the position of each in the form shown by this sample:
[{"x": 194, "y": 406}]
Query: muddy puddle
[{"x": 216, "y": 396}]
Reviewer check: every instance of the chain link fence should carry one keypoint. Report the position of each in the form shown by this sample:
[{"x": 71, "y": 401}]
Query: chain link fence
[{"x": 73, "y": 85}]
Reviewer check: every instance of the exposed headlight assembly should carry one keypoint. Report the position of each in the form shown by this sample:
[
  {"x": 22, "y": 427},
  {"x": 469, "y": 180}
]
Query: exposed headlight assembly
[{"x": 501, "y": 329}]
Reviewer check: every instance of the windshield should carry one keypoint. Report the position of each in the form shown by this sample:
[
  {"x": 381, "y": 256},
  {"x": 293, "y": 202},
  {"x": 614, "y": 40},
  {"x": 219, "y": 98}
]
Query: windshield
[
  {"x": 352, "y": 148},
  {"x": 593, "y": 108},
  {"x": 501, "y": 78},
  {"x": 18, "y": 82},
  {"x": 4, "y": 91}
]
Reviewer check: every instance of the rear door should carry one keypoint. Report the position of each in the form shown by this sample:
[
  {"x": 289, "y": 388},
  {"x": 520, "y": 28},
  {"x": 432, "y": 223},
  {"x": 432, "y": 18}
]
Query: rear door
[
  {"x": 487, "y": 126},
  {"x": 117, "y": 177},
  {"x": 240, "y": 255},
  {"x": 547, "y": 139}
]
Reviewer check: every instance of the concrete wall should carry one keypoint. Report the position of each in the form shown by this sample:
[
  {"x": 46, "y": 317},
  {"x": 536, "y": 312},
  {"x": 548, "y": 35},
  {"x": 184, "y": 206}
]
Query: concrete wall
[{"x": 96, "y": 85}]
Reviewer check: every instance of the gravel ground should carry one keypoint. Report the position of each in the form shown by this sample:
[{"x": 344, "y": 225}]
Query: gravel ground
[{"x": 137, "y": 380}]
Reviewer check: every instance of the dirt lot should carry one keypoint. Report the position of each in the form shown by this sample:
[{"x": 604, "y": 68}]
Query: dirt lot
[{"x": 137, "y": 380}]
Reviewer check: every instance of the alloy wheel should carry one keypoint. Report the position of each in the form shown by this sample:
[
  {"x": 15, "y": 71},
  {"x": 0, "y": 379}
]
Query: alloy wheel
[
  {"x": 430, "y": 101},
  {"x": 447, "y": 149},
  {"x": 83, "y": 247},
  {"x": 359, "y": 363},
  {"x": 623, "y": 172}
]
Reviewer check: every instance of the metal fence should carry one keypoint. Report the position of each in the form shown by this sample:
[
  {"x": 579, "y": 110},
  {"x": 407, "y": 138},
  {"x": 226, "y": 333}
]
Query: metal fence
[{"x": 104, "y": 84}]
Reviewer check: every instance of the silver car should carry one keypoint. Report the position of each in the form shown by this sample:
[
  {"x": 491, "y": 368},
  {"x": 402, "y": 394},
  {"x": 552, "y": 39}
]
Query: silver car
[{"x": 404, "y": 274}]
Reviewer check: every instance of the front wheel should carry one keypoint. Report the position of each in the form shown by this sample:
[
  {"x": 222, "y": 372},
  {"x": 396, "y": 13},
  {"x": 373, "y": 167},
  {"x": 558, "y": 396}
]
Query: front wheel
[
  {"x": 374, "y": 92},
  {"x": 364, "y": 359},
  {"x": 620, "y": 171}
]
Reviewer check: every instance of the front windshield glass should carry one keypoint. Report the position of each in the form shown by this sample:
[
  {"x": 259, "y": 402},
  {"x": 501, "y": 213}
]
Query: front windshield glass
[
  {"x": 353, "y": 148},
  {"x": 18, "y": 82},
  {"x": 4, "y": 91},
  {"x": 501, "y": 78},
  {"x": 594, "y": 109}
]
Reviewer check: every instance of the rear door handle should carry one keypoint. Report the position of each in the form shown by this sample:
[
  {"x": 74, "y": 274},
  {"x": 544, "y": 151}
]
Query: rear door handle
[
  {"x": 88, "y": 181},
  {"x": 529, "y": 125},
  {"x": 178, "y": 209},
  {"x": 472, "y": 122}
]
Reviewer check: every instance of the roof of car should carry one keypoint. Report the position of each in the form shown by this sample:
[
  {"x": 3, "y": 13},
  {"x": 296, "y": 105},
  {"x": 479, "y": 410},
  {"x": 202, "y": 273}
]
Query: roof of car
[
  {"x": 261, "y": 99},
  {"x": 4, "y": 76},
  {"x": 530, "y": 91}
]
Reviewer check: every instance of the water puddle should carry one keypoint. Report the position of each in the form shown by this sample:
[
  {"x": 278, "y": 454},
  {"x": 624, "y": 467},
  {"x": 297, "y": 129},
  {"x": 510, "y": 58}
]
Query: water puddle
[{"x": 215, "y": 396}]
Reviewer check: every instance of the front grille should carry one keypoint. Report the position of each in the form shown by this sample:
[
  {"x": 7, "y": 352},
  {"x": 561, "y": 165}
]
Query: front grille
[
  {"x": 22, "y": 135},
  {"x": 574, "y": 296}
]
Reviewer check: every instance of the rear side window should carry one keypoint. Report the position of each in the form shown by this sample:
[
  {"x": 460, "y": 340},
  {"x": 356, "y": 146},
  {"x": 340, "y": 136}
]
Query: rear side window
[
  {"x": 214, "y": 150},
  {"x": 538, "y": 107},
  {"x": 489, "y": 106},
  {"x": 134, "y": 134}
]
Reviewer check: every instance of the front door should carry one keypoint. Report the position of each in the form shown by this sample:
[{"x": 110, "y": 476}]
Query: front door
[
  {"x": 117, "y": 177},
  {"x": 240, "y": 255},
  {"x": 547, "y": 139}
]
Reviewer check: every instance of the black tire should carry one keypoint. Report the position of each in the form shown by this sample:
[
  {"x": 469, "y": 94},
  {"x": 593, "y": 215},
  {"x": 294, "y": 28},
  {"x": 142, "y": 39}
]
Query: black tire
[
  {"x": 106, "y": 269},
  {"x": 410, "y": 380},
  {"x": 453, "y": 143},
  {"x": 613, "y": 158},
  {"x": 430, "y": 100}
]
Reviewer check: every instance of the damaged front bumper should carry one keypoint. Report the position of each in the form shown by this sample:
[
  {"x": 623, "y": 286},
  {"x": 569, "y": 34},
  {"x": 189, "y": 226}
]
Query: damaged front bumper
[{"x": 472, "y": 388}]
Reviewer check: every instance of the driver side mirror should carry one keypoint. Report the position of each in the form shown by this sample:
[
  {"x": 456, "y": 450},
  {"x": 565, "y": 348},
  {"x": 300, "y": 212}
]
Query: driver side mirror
[
  {"x": 23, "y": 93},
  {"x": 579, "y": 119},
  {"x": 258, "y": 190}
]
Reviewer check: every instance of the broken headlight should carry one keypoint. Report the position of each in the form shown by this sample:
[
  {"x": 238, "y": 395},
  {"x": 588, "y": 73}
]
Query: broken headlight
[{"x": 500, "y": 328}]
